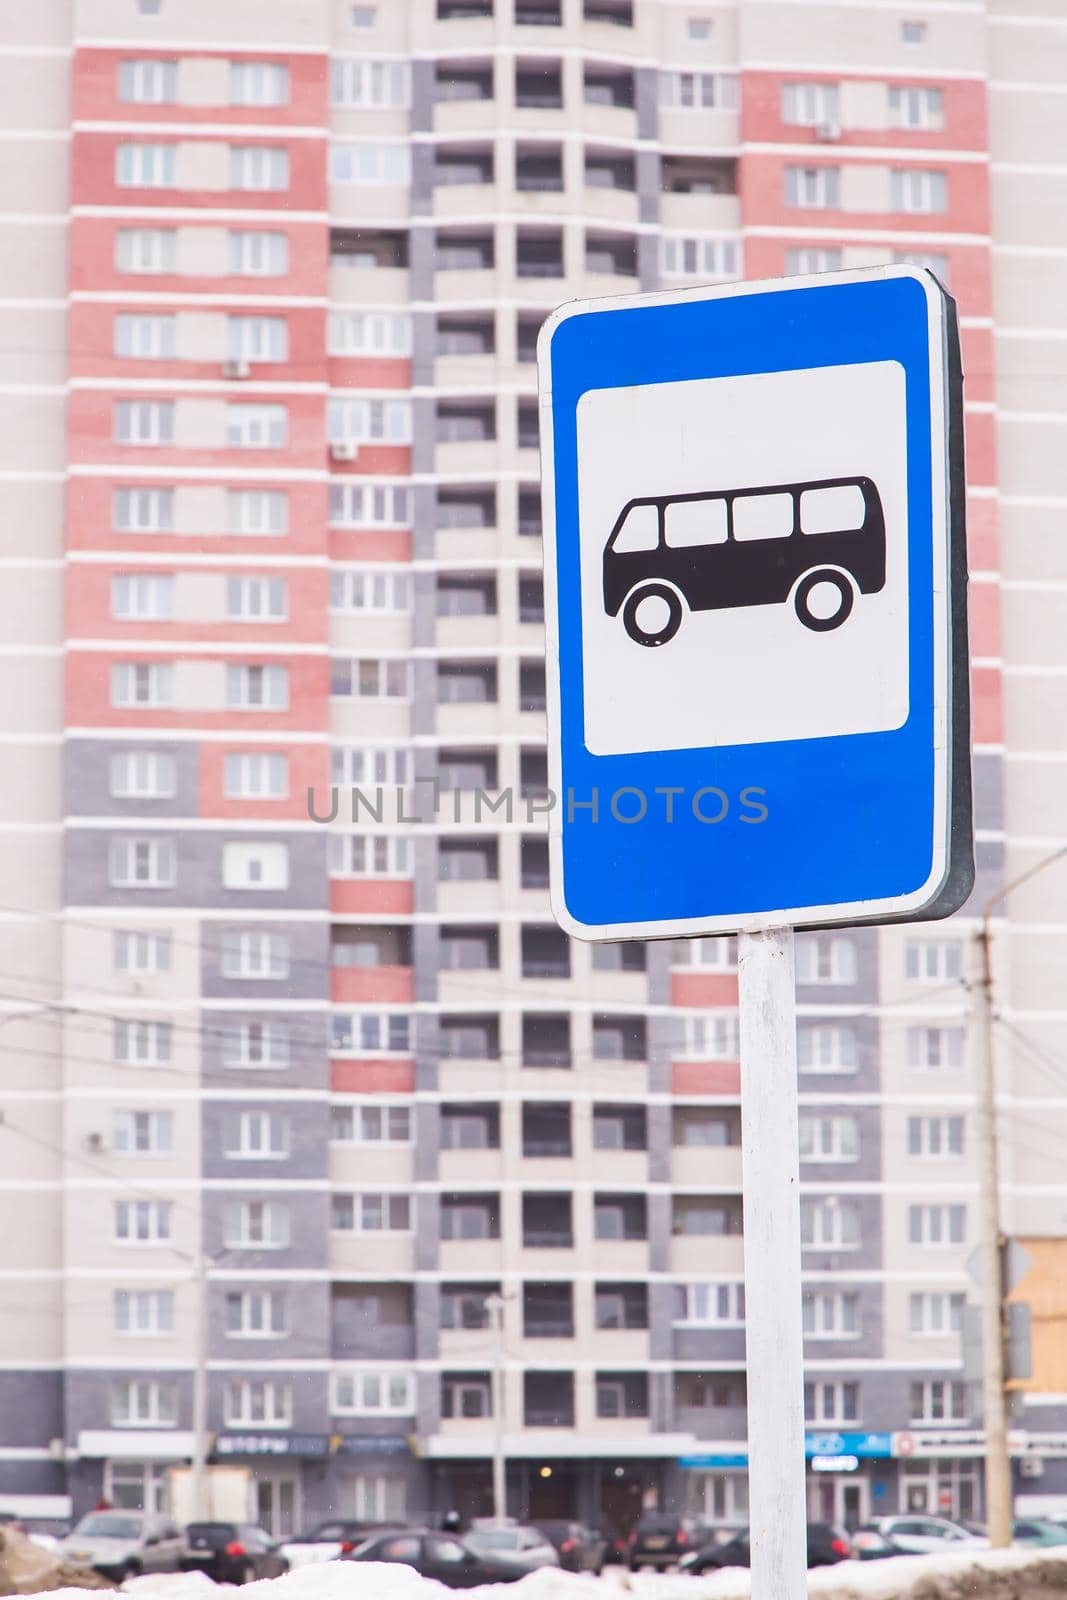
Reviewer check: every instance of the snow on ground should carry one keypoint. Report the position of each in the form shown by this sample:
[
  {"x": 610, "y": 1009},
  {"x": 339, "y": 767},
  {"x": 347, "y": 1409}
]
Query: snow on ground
[{"x": 1006, "y": 1574}]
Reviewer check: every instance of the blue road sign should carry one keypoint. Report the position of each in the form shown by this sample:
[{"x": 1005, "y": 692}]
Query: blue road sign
[{"x": 755, "y": 598}]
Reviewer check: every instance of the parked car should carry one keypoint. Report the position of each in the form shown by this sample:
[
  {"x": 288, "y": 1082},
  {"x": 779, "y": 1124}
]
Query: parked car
[
  {"x": 327, "y": 1541},
  {"x": 827, "y": 1546},
  {"x": 1038, "y": 1531},
  {"x": 514, "y": 1543},
  {"x": 123, "y": 1544},
  {"x": 580, "y": 1549},
  {"x": 444, "y": 1556},
  {"x": 232, "y": 1552},
  {"x": 661, "y": 1539},
  {"x": 912, "y": 1536}
]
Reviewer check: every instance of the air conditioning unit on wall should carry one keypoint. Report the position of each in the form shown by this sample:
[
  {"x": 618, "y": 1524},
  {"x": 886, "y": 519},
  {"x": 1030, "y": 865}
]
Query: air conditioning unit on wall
[
  {"x": 344, "y": 450},
  {"x": 235, "y": 369},
  {"x": 827, "y": 132}
]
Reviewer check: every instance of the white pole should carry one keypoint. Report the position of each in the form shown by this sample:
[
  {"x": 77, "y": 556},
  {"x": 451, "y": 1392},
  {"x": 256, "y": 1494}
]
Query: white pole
[
  {"x": 200, "y": 1314},
  {"x": 774, "y": 1341},
  {"x": 495, "y": 1306},
  {"x": 999, "y": 1508}
]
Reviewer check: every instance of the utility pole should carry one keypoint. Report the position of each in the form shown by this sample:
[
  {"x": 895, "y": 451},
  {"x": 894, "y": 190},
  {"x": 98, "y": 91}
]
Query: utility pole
[
  {"x": 494, "y": 1304},
  {"x": 998, "y": 1491},
  {"x": 200, "y": 1351}
]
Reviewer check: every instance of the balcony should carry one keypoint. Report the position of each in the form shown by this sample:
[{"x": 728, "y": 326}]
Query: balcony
[
  {"x": 719, "y": 212},
  {"x": 695, "y": 1164}
]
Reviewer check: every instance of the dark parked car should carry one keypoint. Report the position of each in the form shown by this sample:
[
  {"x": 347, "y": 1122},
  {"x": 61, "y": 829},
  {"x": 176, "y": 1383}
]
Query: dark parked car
[
  {"x": 827, "y": 1546},
  {"x": 438, "y": 1555},
  {"x": 660, "y": 1539},
  {"x": 580, "y": 1549},
  {"x": 231, "y": 1552}
]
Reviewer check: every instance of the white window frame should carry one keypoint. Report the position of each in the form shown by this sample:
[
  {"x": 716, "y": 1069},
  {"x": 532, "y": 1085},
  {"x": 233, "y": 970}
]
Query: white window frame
[
  {"x": 806, "y": 104},
  {"x": 144, "y": 509},
  {"x": 261, "y": 1136},
  {"x": 682, "y": 256},
  {"x": 136, "y": 685},
  {"x": 709, "y": 1036},
  {"x": 258, "y": 168},
  {"x": 146, "y": 335},
  {"x": 713, "y": 1305},
  {"x": 147, "y": 82},
  {"x": 944, "y": 1401},
  {"x": 936, "y": 1047},
  {"x": 142, "y": 775},
  {"x": 254, "y": 426},
  {"x": 828, "y": 1136},
  {"x": 146, "y": 166},
  {"x": 143, "y": 1403},
  {"x": 813, "y": 258},
  {"x": 368, "y": 419},
  {"x": 381, "y": 162},
  {"x": 255, "y": 686},
  {"x": 262, "y": 866},
  {"x": 371, "y": 855},
  {"x": 256, "y": 775},
  {"x": 146, "y": 250},
  {"x": 257, "y": 338},
  {"x": 142, "y": 597},
  {"x": 706, "y": 955},
  {"x": 255, "y": 954},
  {"x": 256, "y": 1225},
  {"x": 831, "y": 1314},
  {"x": 835, "y": 1224},
  {"x": 376, "y": 84},
  {"x": 721, "y": 1498},
  {"x": 257, "y": 513},
  {"x": 370, "y": 590},
  {"x": 143, "y": 422},
  {"x": 256, "y": 599},
  {"x": 375, "y": 678},
  {"x": 142, "y": 1313},
  {"x": 930, "y": 1138},
  {"x": 257, "y": 1046},
  {"x": 918, "y": 191},
  {"x": 258, "y": 1403},
  {"x": 938, "y": 1227},
  {"x": 141, "y": 951},
  {"x": 815, "y": 188},
  {"x": 377, "y": 1497},
  {"x": 829, "y": 1395},
  {"x": 935, "y": 1313},
  {"x": 826, "y": 958},
  {"x": 933, "y": 960},
  {"x": 368, "y": 333},
  {"x": 916, "y": 107},
  {"x": 372, "y": 764},
  {"x": 374, "y": 1392},
  {"x": 142, "y": 1041},
  {"x": 366, "y": 505},
  {"x": 142, "y": 1222},
  {"x": 142, "y": 862},
  {"x": 373, "y": 1033},
  {"x": 257, "y": 253},
  {"x": 258, "y": 1314},
  {"x": 372, "y": 1122},
  {"x": 259, "y": 83},
  {"x": 142, "y": 1133},
  {"x": 698, "y": 91},
  {"x": 827, "y": 1047},
  {"x": 367, "y": 1204}
]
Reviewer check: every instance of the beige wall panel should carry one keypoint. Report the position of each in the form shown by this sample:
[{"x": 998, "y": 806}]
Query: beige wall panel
[
  {"x": 36, "y": 1334},
  {"x": 1030, "y": 208},
  {"x": 35, "y": 175},
  {"x": 33, "y": 260},
  {"x": 90, "y": 961},
  {"x": 33, "y": 341},
  {"x": 203, "y": 164},
  {"x": 864, "y": 187},
  {"x": 31, "y": 690},
  {"x": 32, "y": 515},
  {"x": 200, "y": 597},
  {"x": 1025, "y": 124},
  {"x": 38, "y": 99},
  {"x": 32, "y": 1222},
  {"x": 1034, "y": 632},
  {"x": 33, "y": 432},
  {"x": 200, "y": 424},
  {"x": 1037, "y": 804},
  {"x": 907, "y": 1346},
  {"x": 201, "y": 336},
  {"x": 857, "y": 255},
  {"x": 864, "y": 104},
  {"x": 859, "y": 34},
  {"x": 1031, "y": 458},
  {"x": 31, "y": 788},
  {"x": 200, "y": 685},
  {"x": 203, "y": 252},
  {"x": 1027, "y": 54},
  {"x": 203, "y": 81},
  {"x": 1027, "y": 293},
  {"x": 200, "y": 508},
  {"x": 91, "y": 1336},
  {"x": 197, "y": 22}
]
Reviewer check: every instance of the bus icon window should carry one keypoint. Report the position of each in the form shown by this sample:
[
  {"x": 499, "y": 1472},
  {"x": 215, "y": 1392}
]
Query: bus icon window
[{"x": 815, "y": 544}]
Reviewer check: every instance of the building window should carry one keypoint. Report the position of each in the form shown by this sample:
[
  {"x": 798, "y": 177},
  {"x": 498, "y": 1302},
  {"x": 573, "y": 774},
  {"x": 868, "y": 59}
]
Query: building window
[
  {"x": 256, "y": 775},
  {"x": 258, "y": 83},
  {"x": 370, "y": 855},
  {"x": 933, "y": 960},
  {"x": 141, "y": 953},
  {"x": 143, "y": 422},
  {"x": 831, "y": 1314},
  {"x": 916, "y": 107},
  {"x": 385, "y": 591},
  {"x": 710, "y": 955},
  {"x": 257, "y": 339},
  {"x": 829, "y": 1138},
  {"x": 148, "y": 83},
  {"x": 693, "y": 91},
  {"x": 142, "y": 510},
  {"x": 363, "y": 421},
  {"x": 938, "y": 1400},
  {"x": 374, "y": 1497},
  {"x": 709, "y": 1305},
  {"x": 935, "y": 1314},
  {"x": 935, "y": 1049},
  {"x": 913, "y": 32},
  {"x": 468, "y": 1396},
  {"x": 257, "y": 688},
  {"x": 254, "y": 253},
  {"x": 255, "y": 1136},
  {"x": 721, "y": 1498},
  {"x": 829, "y": 1224},
  {"x": 142, "y": 1221},
  {"x": 381, "y": 505},
  {"x": 141, "y": 1043},
  {"x": 257, "y": 599},
  {"x": 710, "y": 1036},
  {"x": 934, "y": 261},
  {"x": 142, "y": 1311},
  {"x": 143, "y": 775},
  {"x": 373, "y": 678},
  {"x": 135, "y": 684},
  {"x": 144, "y": 1403},
  {"x": 145, "y": 338},
  {"x": 375, "y": 85},
  {"x": 369, "y": 333},
  {"x": 142, "y": 597},
  {"x": 146, "y": 166},
  {"x": 142, "y": 1133},
  {"x": 256, "y": 1314},
  {"x": 370, "y": 1213},
  {"x": 831, "y": 1402},
  {"x": 255, "y": 1225},
  {"x": 146, "y": 250},
  {"x": 936, "y": 1136},
  {"x": 810, "y": 105},
  {"x": 370, "y": 163},
  {"x": 136, "y": 863},
  {"x": 373, "y": 1394},
  {"x": 259, "y": 1403},
  {"x": 370, "y": 764},
  {"x": 916, "y": 189},
  {"x": 825, "y": 958},
  {"x": 255, "y": 1044},
  {"x": 698, "y": 258},
  {"x": 259, "y": 167},
  {"x": 371, "y": 1033},
  {"x": 811, "y": 259},
  {"x": 255, "y": 955},
  {"x": 941, "y": 1227},
  {"x": 257, "y": 513},
  {"x": 699, "y": 29},
  {"x": 264, "y": 865},
  {"x": 256, "y": 427},
  {"x": 363, "y": 17},
  {"x": 376, "y": 1122},
  {"x": 813, "y": 188},
  {"x": 827, "y": 1047}
]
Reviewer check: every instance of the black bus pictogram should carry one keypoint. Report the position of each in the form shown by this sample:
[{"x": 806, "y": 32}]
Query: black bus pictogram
[{"x": 816, "y": 543}]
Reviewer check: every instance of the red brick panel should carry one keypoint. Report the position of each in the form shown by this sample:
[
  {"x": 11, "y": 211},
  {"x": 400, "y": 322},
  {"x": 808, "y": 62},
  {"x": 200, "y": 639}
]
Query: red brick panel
[
  {"x": 372, "y": 985},
  {"x": 704, "y": 989},
  {"x": 705, "y": 1077},
  {"x": 93, "y": 168},
  {"x": 373, "y": 896},
  {"x": 95, "y": 93},
  {"x": 372, "y": 1077}
]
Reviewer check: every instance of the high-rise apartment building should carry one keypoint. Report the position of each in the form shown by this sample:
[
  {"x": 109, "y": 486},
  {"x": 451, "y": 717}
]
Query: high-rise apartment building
[{"x": 270, "y": 285}]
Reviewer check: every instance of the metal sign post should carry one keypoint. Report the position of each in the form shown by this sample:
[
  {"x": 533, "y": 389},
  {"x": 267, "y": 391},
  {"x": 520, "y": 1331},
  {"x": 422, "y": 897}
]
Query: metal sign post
[{"x": 774, "y": 1344}]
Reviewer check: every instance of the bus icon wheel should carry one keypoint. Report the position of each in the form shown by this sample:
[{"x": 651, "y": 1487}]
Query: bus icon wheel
[
  {"x": 652, "y": 614},
  {"x": 823, "y": 599}
]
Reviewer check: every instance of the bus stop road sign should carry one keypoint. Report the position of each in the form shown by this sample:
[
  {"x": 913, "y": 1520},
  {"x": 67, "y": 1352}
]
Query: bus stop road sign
[{"x": 755, "y": 583}]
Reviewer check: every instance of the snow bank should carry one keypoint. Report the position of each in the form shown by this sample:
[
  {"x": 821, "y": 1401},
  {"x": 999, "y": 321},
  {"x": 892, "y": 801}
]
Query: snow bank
[{"x": 983, "y": 1575}]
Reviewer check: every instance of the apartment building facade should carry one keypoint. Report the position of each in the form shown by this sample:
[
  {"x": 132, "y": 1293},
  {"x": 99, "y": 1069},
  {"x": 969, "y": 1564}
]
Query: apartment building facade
[{"x": 271, "y": 290}]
